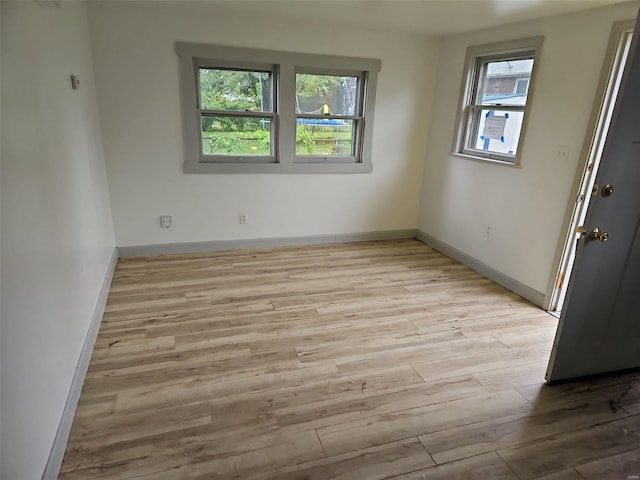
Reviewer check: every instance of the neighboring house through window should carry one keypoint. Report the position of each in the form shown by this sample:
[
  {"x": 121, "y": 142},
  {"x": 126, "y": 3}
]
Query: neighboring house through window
[
  {"x": 495, "y": 94},
  {"x": 262, "y": 111}
]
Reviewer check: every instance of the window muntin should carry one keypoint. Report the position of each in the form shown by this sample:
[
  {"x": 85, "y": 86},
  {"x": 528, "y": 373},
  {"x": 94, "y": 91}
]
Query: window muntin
[
  {"x": 495, "y": 96},
  {"x": 235, "y": 112},
  {"x": 328, "y": 116}
]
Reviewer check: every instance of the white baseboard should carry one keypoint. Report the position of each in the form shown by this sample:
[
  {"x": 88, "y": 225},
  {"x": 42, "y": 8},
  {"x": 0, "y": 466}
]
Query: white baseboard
[
  {"x": 222, "y": 245},
  {"x": 52, "y": 469},
  {"x": 517, "y": 287}
]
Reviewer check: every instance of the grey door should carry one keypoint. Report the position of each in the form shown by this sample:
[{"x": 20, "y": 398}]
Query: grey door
[{"x": 599, "y": 329}]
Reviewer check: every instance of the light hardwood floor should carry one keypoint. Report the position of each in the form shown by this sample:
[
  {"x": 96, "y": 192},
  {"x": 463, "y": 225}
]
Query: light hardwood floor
[{"x": 361, "y": 361}]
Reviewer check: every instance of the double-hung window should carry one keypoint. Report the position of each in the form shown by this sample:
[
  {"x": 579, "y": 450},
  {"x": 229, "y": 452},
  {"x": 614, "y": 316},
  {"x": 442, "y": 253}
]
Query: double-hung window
[
  {"x": 495, "y": 95},
  {"x": 262, "y": 111}
]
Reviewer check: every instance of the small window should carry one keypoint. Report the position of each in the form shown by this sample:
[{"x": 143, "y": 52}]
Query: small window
[
  {"x": 522, "y": 85},
  {"x": 263, "y": 111},
  {"x": 496, "y": 93},
  {"x": 235, "y": 114}
]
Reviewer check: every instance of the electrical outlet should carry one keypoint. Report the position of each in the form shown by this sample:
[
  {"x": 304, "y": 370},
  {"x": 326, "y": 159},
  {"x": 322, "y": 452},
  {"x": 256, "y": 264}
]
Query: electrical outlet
[
  {"x": 165, "y": 221},
  {"x": 243, "y": 219},
  {"x": 86, "y": 263},
  {"x": 75, "y": 82},
  {"x": 562, "y": 152}
]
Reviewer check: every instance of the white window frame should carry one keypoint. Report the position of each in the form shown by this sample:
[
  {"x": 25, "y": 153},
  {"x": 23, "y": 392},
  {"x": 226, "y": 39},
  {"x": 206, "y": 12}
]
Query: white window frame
[
  {"x": 476, "y": 58},
  {"x": 283, "y": 66}
]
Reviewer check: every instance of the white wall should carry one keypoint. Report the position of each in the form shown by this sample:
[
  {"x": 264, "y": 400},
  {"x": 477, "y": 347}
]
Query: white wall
[
  {"x": 137, "y": 76},
  {"x": 523, "y": 207},
  {"x": 57, "y": 235}
]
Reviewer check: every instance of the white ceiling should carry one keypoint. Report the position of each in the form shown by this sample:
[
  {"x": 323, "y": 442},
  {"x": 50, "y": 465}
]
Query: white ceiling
[{"x": 431, "y": 17}]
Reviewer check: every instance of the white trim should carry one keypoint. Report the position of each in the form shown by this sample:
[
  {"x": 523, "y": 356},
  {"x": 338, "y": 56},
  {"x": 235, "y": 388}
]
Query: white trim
[
  {"x": 510, "y": 283},
  {"x": 257, "y": 243},
  {"x": 485, "y": 159},
  {"x": 52, "y": 468}
]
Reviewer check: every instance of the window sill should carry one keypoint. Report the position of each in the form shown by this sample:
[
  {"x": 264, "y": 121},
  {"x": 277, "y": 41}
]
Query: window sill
[
  {"x": 278, "y": 168},
  {"x": 485, "y": 159}
]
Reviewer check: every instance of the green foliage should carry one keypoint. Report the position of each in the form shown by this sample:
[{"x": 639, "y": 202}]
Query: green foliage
[
  {"x": 257, "y": 142},
  {"x": 232, "y": 89},
  {"x": 304, "y": 140},
  {"x": 309, "y": 141},
  {"x": 233, "y": 124},
  {"x": 264, "y": 139},
  {"x": 309, "y": 85},
  {"x": 223, "y": 144},
  {"x": 321, "y": 140},
  {"x": 207, "y": 124}
]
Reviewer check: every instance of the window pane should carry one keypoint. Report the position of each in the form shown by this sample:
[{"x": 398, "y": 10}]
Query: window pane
[
  {"x": 234, "y": 90},
  {"x": 506, "y": 82},
  {"x": 326, "y": 94},
  {"x": 522, "y": 86},
  {"x": 496, "y": 131},
  {"x": 330, "y": 137},
  {"x": 236, "y": 135}
]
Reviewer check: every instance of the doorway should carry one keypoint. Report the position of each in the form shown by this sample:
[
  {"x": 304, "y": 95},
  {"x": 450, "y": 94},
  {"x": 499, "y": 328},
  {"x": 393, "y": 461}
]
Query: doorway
[{"x": 585, "y": 187}]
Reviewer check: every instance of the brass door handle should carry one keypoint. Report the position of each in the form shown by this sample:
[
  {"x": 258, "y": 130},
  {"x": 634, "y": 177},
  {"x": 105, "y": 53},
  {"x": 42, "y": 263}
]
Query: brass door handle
[{"x": 597, "y": 234}]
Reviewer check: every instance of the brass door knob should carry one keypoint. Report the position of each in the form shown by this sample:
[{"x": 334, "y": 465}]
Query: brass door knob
[{"x": 597, "y": 234}]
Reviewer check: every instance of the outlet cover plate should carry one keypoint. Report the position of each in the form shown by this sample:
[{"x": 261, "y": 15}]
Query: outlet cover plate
[{"x": 165, "y": 221}]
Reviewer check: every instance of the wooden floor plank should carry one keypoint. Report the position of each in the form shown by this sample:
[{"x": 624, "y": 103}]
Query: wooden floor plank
[
  {"x": 625, "y": 395},
  {"x": 374, "y": 463},
  {"x": 455, "y": 443},
  {"x": 625, "y": 466},
  {"x": 512, "y": 376},
  {"x": 330, "y": 411},
  {"x": 482, "y": 467},
  {"x": 569, "y": 474},
  {"x": 450, "y": 349},
  {"x": 99, "y": 432},
  {"x": 618, "y": 387},
  {"x": 573, "y": 448},
  {"x": 406, "y": 423},
  {"x": 296, "y": 449},
  {"x": 482, "y": 362},
  {"x": 519, "y": 338}
]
